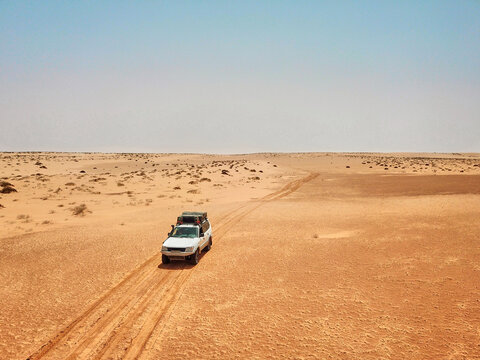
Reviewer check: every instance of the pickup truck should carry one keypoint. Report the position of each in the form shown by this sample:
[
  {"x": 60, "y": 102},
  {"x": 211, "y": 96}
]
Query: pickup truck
[{"x": 191, "y": 236}]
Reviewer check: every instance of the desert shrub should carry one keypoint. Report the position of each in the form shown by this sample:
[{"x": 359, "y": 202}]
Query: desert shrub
[
  {"x": 79, "y": 210},
  {"x": 205, "y": 179},
  {"x": 7, "y": 190},
  {"x": 25, "y": 218}
]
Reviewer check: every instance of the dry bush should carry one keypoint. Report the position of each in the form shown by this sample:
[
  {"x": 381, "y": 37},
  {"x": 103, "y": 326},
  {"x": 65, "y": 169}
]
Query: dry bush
[
  {"x": 25, "y": 218},
  {"x": 6, "y": 187},
  {"x": 7, "y": 190},
  {"x": 177, "y": 188},
  {"x": 194, "y": 191},
  {"x": 205, "y": 179},
  {"x": 79, "y": 210},
  {"x": 70, "y": 184}
]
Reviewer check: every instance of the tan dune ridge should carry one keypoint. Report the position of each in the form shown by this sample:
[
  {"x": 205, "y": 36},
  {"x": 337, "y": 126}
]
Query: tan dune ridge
[{"x": 315, "y": 256}]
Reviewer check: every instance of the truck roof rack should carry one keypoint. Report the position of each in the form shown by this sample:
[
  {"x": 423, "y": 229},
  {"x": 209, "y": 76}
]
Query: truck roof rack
[{"x": 192, "y": 217}]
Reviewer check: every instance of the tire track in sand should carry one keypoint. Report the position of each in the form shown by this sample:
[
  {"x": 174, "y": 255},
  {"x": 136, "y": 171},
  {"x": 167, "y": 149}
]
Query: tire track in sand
[{"x": 121, "y": 322}]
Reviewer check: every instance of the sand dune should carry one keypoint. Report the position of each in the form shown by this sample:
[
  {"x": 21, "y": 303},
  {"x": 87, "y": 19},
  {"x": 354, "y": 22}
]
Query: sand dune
[{"x": 316, "y": 255}]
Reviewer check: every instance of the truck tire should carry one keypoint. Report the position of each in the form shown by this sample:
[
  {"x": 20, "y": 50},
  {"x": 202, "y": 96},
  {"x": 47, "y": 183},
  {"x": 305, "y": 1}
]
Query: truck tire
[
  {"x": 194, "y": 257},
  {"x": 209, "y": 245},
  {"x": 165, "y": 259}
]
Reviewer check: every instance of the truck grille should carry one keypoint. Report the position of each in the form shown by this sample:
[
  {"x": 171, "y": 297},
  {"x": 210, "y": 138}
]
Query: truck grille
[{"x": 176, "y": 249}]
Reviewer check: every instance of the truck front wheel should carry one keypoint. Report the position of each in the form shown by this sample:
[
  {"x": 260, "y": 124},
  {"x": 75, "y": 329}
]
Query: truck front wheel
[
  {"x": 194, "y": 258},
  {"x": 165, "y": 259}
]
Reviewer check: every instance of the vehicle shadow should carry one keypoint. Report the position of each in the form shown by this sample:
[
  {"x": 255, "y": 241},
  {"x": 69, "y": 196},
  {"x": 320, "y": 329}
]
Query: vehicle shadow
[{"x": 181, "y": 264}]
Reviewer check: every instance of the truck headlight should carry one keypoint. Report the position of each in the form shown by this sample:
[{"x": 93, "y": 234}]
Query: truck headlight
[
  {"x": 189, "y": 249},
  {"x": 164, "y": 248}
]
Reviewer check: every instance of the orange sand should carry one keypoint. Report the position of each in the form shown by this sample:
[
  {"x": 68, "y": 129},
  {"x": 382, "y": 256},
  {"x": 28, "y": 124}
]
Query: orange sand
[{"x": 342, "y": 256}]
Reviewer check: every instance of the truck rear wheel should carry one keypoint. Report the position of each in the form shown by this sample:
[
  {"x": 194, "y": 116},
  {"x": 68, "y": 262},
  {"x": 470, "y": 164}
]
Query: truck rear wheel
[
  {"x": 165, "y": 259},
  {"x": 209, "y": 245}
]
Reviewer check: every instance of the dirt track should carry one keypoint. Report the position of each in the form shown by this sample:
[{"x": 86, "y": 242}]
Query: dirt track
[{"x": 131, "y": 311}]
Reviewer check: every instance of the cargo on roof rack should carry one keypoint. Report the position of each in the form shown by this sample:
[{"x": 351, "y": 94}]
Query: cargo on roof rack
[{"x": 192, "y": 217}]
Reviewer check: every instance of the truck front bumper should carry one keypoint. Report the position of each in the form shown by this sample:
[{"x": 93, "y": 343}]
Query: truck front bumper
[{"x": 174, "y": 253}]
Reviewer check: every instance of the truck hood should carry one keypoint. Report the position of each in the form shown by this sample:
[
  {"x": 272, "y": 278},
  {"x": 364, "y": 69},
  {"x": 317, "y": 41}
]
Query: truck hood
[{"x": 175, "y": 242}]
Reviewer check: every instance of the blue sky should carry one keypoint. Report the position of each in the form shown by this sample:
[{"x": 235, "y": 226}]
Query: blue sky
[{"x": 225, "y": 76}]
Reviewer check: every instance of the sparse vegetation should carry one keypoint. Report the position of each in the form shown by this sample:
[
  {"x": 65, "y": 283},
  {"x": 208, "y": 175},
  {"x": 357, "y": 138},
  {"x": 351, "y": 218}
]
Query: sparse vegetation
[
  {"x": 6, "y": 187},
  {"x": 79, "y": 210},
  {"x": 25, "y": 218},
  {"x": 7, "y": 190}
]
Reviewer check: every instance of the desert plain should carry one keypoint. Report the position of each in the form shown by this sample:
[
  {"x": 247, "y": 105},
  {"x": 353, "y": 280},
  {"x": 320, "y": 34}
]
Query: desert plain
[{"x": 314, "y": 256}]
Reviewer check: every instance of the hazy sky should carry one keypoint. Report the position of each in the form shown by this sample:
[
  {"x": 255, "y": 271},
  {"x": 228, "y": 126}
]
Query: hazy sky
[{"x": 240, "y": 76}]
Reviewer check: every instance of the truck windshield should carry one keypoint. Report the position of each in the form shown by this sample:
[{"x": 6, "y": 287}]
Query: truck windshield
[{"x": 185, "y": 232}]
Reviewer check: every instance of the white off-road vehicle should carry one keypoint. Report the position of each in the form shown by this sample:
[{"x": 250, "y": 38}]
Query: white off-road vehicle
[{"x": 188, "y": 238}]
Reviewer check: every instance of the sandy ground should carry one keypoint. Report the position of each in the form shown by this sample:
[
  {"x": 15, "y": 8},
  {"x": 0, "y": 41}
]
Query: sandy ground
[{"x": 328, "y": 256}]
